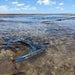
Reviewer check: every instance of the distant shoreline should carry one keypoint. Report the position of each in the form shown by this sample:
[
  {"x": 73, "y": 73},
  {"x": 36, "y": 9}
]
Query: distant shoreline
[{"x": 37, "y": 14}]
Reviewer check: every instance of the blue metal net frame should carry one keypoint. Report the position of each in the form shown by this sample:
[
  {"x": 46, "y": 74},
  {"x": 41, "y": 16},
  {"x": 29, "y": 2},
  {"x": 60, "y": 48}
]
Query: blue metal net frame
[{"x": 32, "y": 52}]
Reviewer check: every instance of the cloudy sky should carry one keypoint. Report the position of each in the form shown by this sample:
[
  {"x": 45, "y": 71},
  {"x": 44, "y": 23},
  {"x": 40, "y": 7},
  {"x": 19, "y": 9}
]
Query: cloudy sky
[{"x": 37, "y": 6}]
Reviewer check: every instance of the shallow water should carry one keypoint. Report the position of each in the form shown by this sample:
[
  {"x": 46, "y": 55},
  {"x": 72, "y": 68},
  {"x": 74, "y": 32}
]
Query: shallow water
[
  {"x": 40, "y": 25},
  {"x": 67, "y": 23},
  {"x": 37, "y": 18},
  {"x": 33, "y": 18},
  {"x": 59, "y": 36}
]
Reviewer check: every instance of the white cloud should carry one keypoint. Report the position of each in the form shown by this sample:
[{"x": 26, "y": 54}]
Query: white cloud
[
  {"x": 52, "y": 2},
  {"x": 46, "y": 2},
  {"x": 16, "y": 3},
  {"x": 3, "y": 8},
  {"x": 20, "y": 4},
  {"x": 59, "y": 8},
  {"x": 73, "y": 5},
  {"x": 28, "y": 8},
  {"x": 61, "y": 3},
  {"x": 39, "y": 2}
]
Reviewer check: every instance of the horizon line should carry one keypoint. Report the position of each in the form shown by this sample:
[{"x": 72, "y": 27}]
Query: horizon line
[{"x": 37, "y": 13}]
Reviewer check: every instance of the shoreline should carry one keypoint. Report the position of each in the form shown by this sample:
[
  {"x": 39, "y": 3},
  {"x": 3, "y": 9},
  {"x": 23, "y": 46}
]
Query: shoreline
[{"x": 37, "y": 14}]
